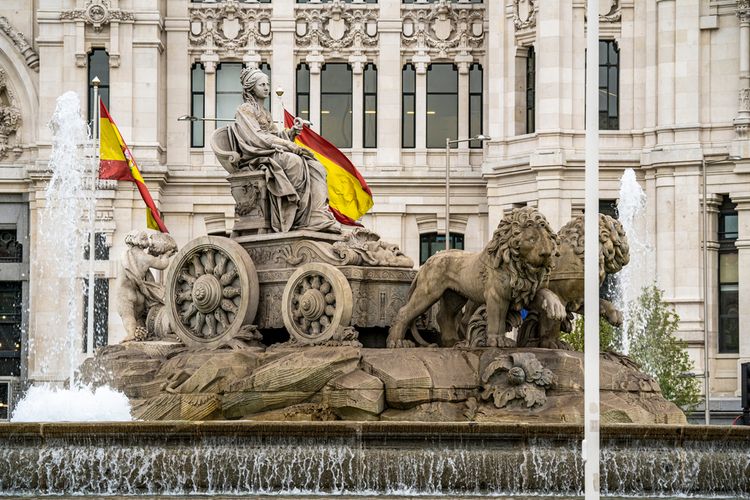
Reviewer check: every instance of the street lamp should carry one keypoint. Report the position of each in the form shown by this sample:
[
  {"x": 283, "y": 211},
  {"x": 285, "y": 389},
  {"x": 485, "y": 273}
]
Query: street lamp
[
  {"x": 189, "y": 118},
  {"x": 448, "y": 143},
  {"x": 707, "y": 395}
]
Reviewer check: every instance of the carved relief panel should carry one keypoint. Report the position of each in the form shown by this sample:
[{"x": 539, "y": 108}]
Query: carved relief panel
[
  {"x": 445, "y": 28},
  {"x": 10, "y": 115},
  {"x": 337, "y": 28},
  {"x": 230, "y": 28}
]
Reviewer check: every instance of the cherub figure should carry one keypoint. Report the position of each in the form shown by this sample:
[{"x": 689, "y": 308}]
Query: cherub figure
[{"x": 137, "y": 290}]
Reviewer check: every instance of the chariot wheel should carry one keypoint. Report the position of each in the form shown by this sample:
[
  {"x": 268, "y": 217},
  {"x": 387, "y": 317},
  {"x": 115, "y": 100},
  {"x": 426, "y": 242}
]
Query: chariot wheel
[
  {"x": 212, "y": 290},
  {"x": 317, "y": 301}
]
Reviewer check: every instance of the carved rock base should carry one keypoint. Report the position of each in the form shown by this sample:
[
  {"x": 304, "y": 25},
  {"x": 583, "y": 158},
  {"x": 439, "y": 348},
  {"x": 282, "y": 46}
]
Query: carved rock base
[{"x": 168, "y": 381}]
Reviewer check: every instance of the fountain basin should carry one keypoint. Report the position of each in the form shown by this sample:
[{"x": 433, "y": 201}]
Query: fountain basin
[{"x": 378, "y": 458}]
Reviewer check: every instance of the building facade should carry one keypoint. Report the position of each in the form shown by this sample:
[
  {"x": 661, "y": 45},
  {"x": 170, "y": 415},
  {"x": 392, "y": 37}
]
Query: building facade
[{"x": 388, "y": 81}]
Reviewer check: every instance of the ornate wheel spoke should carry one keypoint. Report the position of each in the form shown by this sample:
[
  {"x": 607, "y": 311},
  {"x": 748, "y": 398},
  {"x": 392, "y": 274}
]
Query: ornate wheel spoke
[
  {"x": 189, "y": 313},
  {"x": 210, "y": 326},
  {"x": 221, "y": 317},
  {"x": 210, "y": 262},
  {"x": 184, "y": 296},
  {"x": 231, "y": 292},
  {"x": 221, "y": 262},
  {"x": 197, "y": 265},
  {"x": 229, "y": 306},
  {"x": 187, "y": 277},
  {"x": 228, "y": 277}
]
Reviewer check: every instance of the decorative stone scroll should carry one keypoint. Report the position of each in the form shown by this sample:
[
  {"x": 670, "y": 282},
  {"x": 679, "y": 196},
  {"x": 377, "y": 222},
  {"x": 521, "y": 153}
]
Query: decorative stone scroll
[
  {"x": 230, "y": 27},
  {"x": 337, "y": 26},
  {"x": 524, "y": 14},
  {"x": 19, "y": 40},
  {"x": 10, "y": 114},
  {"x": 444, "y": 27},
  {"x": 97, "y": 13}
]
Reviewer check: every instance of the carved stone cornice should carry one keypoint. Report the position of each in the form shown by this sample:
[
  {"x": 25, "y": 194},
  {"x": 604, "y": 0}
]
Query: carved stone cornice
[
  {"x": 97, "y": 13},
  {"x": 230, "y": 27},
  {"x": 23, "y": 46},
  {"x": 444, "y": 27},
  {"x": 337, "y": 26},
  {"x": 524, "y": 14}
]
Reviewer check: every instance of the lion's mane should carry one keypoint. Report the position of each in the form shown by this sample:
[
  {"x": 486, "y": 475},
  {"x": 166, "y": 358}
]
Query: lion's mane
[
  {"x": 504, "y": 248},
  {"x": 614, "y": 252}
]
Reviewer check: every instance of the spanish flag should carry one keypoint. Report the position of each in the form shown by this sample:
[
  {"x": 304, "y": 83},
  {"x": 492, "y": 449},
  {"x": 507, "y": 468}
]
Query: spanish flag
[
  {"x": 349, "y": 196},
  {"x": 117, "y": 163}
]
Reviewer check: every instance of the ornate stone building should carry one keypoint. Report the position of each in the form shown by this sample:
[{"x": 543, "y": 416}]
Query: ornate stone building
[{"x": 388, "y": 81}]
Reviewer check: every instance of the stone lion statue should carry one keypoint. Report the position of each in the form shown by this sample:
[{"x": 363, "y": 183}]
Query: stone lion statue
[
  {"x": 504, "y": 276},
  {"x": 140, "y": 300},
  {"x": 567, "y": 282}
]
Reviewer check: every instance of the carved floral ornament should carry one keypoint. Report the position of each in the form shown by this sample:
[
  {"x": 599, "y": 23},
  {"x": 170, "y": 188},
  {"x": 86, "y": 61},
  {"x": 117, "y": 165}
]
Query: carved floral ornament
[
  {"x": 230, "y": 26},
  {"x": 337, "y": 26},
  {"x": 444, "y": 27},
  {"x": 10, "y": 114},
  {"x": 97, "y": 13},
  {"x": 743, "y": 10}
]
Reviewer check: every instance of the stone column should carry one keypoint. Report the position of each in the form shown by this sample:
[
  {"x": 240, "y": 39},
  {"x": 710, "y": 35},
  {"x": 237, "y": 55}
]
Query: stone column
[
  {"x": 743, "y": 250},
  {"x": 420, "y": 109},
  {"x": 179, "y": 87},
  {"x": 687, "y": 72},
  {"x": 742, "y": 122},
  {"x": 389, "y": 85},
  {"x": 665, "y": 70},
  {"x": 463, "y": 62},
  {"x": 357, "y": 63},
  {"x": 209, "y": 63},
  {"x": 316, "y": 63},
  {"x": 283, "y": 62}
]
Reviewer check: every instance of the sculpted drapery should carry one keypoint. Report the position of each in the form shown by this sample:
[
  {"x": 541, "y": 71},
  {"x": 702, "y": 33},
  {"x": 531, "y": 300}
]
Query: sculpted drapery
[{"x": 295, "y": 180}]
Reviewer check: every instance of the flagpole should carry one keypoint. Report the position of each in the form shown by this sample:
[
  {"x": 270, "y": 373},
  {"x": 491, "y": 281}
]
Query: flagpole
[{"x": 92, "y": 223}]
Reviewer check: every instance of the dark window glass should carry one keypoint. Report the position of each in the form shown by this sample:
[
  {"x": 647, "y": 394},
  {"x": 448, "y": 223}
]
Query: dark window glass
[
  {"x": 266, "y": 69},
  {"x": 729, "y": 319},
  {"x": 370, "y": 126},
  {"x": 609, "y": 71},
  {"x": 4, "y": 400},
  {"x": 608, "y": 207},
  {"x": 10, "y": 249},
  {"x": 101, "y": 250},
  {"x": 336, "y": 104},
  {"x": 228, "y": 90},
  {"x": 10, "y": 328},
  {"x": 408, "y": 103},
  {"x": 101, "y": 312},
  {"x": 531, "y": 91},
  {"x": 475, "y": 103},
  {"x": 431, "y": 243},
  {"x": 608, "y": 289},
  {"x": 442, "y": 104},
  {"x": 197, "y": 105},
  {"x": 303, "y": 91},
  {"x": 98, "y": 67}
]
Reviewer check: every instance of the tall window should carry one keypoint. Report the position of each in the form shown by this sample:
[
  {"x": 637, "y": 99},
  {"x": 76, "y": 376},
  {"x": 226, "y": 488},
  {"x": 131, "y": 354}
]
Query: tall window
[
  {"x": 336, "y": 104},
  {"x": 98, "y": 67},
  {"x": 197, "y": 104},
  {"x": 101, "y": 312},
  {"x": 266, "y": 69},
  {"x": 475, "y": 103},
  {"x": 10, "y": 328},
  {"x": 531, "y": 91},
  {"x": 228, "y": 90},
  {"x": 408, "y": 104},
  {"x": 303, "y": 91},
  {"x": 10, "y": 249},
  {"x": 431, "y": 243},
  {"x": 729, "y": 323},
  {"x": 442, "y": 104},
  {"x": 370, "y": 126},
  {"x": 609, "y": 85},
  {"x": 101, "y": 250}
]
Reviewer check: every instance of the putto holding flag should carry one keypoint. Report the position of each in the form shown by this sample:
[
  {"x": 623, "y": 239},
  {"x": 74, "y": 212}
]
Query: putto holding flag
[{"x": 303, "y": 170}]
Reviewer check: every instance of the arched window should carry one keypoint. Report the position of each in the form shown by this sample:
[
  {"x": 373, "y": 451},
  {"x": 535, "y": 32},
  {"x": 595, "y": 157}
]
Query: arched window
[
  {"x": 609, "y": 85},
  {"x": 408, "y": 106},
  {"x": 197, "y": 104},
  {"x": 228, "y": 89},
  {"x": 442, "y": 104},
  {"x": 336, "y": 104},
  {"x": 370, "y": 98},
  {"x": 303, "y": 91},
  {"x": 476, "y": 116},
  {"x": 98, "y": 67},
  {"x": 266, "y": 69},
  {"x": 431, "y": 243}
]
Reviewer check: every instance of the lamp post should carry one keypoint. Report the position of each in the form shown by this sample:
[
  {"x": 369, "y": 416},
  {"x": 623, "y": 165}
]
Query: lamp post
[
  {"x": 448, "y": 143},
  {"x": 706, "y": 382},
  {"x": 189, "y": 118}
]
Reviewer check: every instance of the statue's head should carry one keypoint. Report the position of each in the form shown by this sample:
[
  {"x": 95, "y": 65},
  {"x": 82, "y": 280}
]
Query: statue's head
[{"x": 254, "y": 83}]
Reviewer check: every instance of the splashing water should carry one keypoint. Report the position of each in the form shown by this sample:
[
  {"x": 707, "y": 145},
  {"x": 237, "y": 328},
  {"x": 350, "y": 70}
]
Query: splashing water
[
  {"x": 62, "y": 235},
  {"x": 640, "y": 271}
]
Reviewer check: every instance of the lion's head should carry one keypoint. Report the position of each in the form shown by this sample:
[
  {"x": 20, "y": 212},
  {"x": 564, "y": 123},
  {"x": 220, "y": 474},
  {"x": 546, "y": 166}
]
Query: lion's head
[
  {"x": 614, "y": 252},
  {"x": 525, "y": 242}
]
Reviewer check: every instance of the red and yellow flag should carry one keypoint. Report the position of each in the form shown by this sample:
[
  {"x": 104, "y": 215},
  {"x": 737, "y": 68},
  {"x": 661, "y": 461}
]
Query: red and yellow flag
[
  {"x": 349, "y": 196},
  {"x": 117, "y": 163}
]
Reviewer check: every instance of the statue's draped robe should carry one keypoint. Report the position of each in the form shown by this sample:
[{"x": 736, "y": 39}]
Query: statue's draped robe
[{"x": 296, "y": 184}]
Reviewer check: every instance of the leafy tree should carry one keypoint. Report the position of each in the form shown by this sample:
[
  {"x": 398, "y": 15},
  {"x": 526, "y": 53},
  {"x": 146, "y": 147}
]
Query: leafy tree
[{"x": 653, "y": 345}]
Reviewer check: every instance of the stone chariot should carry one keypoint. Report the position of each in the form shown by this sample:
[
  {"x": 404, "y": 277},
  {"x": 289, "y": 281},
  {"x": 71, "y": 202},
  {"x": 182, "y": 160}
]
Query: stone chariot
[{"x": 313, "y": 284}]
